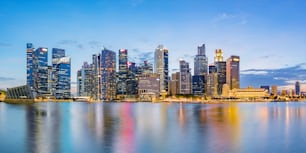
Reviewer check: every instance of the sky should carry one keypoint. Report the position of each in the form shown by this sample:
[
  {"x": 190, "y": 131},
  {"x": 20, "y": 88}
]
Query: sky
[{"x": 267, "y": 34}]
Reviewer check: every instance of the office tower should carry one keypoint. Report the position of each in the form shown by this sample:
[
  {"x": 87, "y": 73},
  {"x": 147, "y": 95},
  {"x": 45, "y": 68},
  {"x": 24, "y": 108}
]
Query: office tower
[
  {"x": 198, "y": 85},
  {"x": 108, "y": 74},
  {"x": 185, "y": 78},
  {"x": 221, "y": 69},
  {"x": 80, "y": 83},
  {"x": 145, "y": 68},
  {"x": 132, "y": 83},
  {"x": 148, "y": 84},
  {"x": 200, "y": 62},
  {"x": 40, "y": 71},
  {"x": 61, "y": 74},
  {"x": 297, "y": 88},
  {"x": 233, "y": 72},
  {"x": 50, "y": 80},
  {"x": 87, "y": 79},
  {"x": 96, "y": 77},
  {"x": 212, "y": 81},
  {"x": 175, "y": 83},
  {"x": 30, "y": 55},
  {"x": 161, "y": 66},
  {"x": 123, "y": 72}
]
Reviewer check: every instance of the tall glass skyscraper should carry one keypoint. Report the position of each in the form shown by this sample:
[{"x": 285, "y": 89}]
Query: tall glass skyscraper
[
  {"x": 185, "y": 78},
  {"x": 108, "y": 74},
  {"x": 30, "y": 55},
  {"x": 221, "y": 69},
  {"x": 61, "y": 74},
  {"x": 233, "y": 72},
  {"x": 40, "y": 71},
  {"x": 201, "y": 62},
  {"x": 123, "y": 72},
  {"x": 161, "y": 66}
]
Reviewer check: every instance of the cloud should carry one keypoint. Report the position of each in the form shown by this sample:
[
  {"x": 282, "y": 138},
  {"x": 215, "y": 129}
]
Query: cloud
[
  {"x": 230, "y": 18},
  {"x": 72, "y": 43},
  {"x": 3, "y": 44},
  {"x": 6, "y": 79},
  {"x": 280, "y": 77}
]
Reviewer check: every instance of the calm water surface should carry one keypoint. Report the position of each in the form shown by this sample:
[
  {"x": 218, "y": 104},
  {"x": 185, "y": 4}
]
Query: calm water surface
[{"x": 147, "y": 127}]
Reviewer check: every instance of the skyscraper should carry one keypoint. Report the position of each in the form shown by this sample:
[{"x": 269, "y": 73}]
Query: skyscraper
[
  {"x": 212, "y": 81},
  {"x": 30, "y": 55},
  {"x": 108, "y": 74},
  {"x": 297, "y": 88},
  {"x": 221, "y": 69},
  {"x": 200, "y": 62},
  {"x": 123, "y": 72},
  {"x": 185, "y": 78},
  {"x": 161, "y": 66},
  {"x": 61, "y": 74},
  {"x": 233, "y": 72},
  {"x": 40, "y": 71}
]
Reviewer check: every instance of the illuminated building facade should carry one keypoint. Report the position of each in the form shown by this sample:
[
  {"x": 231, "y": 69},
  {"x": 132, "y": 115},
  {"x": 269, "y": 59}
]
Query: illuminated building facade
[
  {"x": 175, "y": 83},
  {"x": 198, "y": 85},
  {"x": 145, "y": 68},
  {"x": 123, "y": 72},
  {"x": 212, "y": 81},
  {"x": 233, "y": 72},
  {"x": 149, "y": 83},
  {"x": 61, "y": 74},
  {"x": 108, "y": 75},
  {"x": 221, "y": 69},
  {"x": 185, "y": 78},
  {"x": 297, "y": 88},
  {"x": 161, "y": 66},
  {"x": 132, "y": 80}
]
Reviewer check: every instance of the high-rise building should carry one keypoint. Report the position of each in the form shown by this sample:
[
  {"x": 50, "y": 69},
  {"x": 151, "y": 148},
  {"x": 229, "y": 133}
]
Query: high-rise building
[
  {"x": 61, "y": 74},
  {"x": 233, "y": 72},
  {"x": 161, "y": 66},
  {"x": 185, "y": 78},
  {"x": 145, "y": 68},
  {"x": 274, "y": 90},
  {"x": 212, "y": 81},
  {"x": 198, "y": 84},
  {"x": 123, "y": 72},
  {"x": 30, "y": 55},
  {"x": 132, "y": 80},
  {"x": 297, "y": 88},
  {"x": 80, "y": 83},
  {"x": 200, "y": 62},
  {"x": 40, "y": 71},
  {"x": 96, "y": 77},
  {"x": 221, "y": 70},
  {"x": 148, "y": 84},
  {"x": 108, "y": 74},
  {"x": 175, "y": 83}
]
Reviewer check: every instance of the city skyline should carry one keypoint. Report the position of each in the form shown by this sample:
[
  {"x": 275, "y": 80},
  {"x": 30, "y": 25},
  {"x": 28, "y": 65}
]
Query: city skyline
[{"x": 261, "y": 37}]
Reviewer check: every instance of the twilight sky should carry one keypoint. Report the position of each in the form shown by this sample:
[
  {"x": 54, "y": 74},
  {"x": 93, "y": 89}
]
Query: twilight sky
[{"x": 266, "y": 34}]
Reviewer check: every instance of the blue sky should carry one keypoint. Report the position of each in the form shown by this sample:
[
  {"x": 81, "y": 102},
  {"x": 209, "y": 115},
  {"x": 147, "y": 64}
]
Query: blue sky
[{"x": 266, "y": 34}]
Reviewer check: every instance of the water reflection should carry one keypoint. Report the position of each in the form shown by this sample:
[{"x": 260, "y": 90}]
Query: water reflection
[
  {"x": 161, "y": 127},
  {"x": 43, "y": 128}
]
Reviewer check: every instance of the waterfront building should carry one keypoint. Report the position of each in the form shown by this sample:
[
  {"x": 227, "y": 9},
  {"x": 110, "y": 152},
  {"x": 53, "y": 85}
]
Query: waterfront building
[
  {"x": 86, "y": 82},
  {"x": 30, "y": 55},
  {"x": 161, "y": 66},
  {"x": 233, "y": 72},
  {"x": 185, "y": 78},
  {"x": 20, "y": 92},
  {"x": 212, "y": 81},
  {"x": 132, "y": 80},
  {"x": 145, "y": 68},
  {"x": 200, "y": 61},
  {"x": 274, "y": 90},
  {"x": 198, "y": 85},
  {"x": 297, "y": 88},
  {"x": 40, "y": 71},
  {"x": 175, "y": 83},
  {"x": 149, "y": 84},
  {"x": 108, "y": 75},
  {"x": 61, "y": 74},
  {"x": 123, "y": 72},
  {"x": 80, "y": 83},
  {"x": 96, "y": 77},
  {"x": 50, "y": 80},
  {"x": 221, "y": 69},
  {"x": 249, "y": 93}
]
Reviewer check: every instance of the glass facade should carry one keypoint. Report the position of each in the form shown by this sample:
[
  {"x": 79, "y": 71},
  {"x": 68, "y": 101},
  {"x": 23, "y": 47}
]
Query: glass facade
[
  {"x": 40, "y": 71},
  {"x": 108, "y": 75},
  {"x": 161, "y": 66},
  {"x": 30, "y": 55},
  {"x": 123, "y": 72}
]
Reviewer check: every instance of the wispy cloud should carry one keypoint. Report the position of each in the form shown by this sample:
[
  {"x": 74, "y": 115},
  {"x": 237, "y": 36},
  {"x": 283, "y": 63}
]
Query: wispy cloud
[
  {"x": 230, "y": 18},
  {"x": 6, "y": 79},
  {"x": 3, "y": 44},
  {"x": 72, "y": 43}
]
